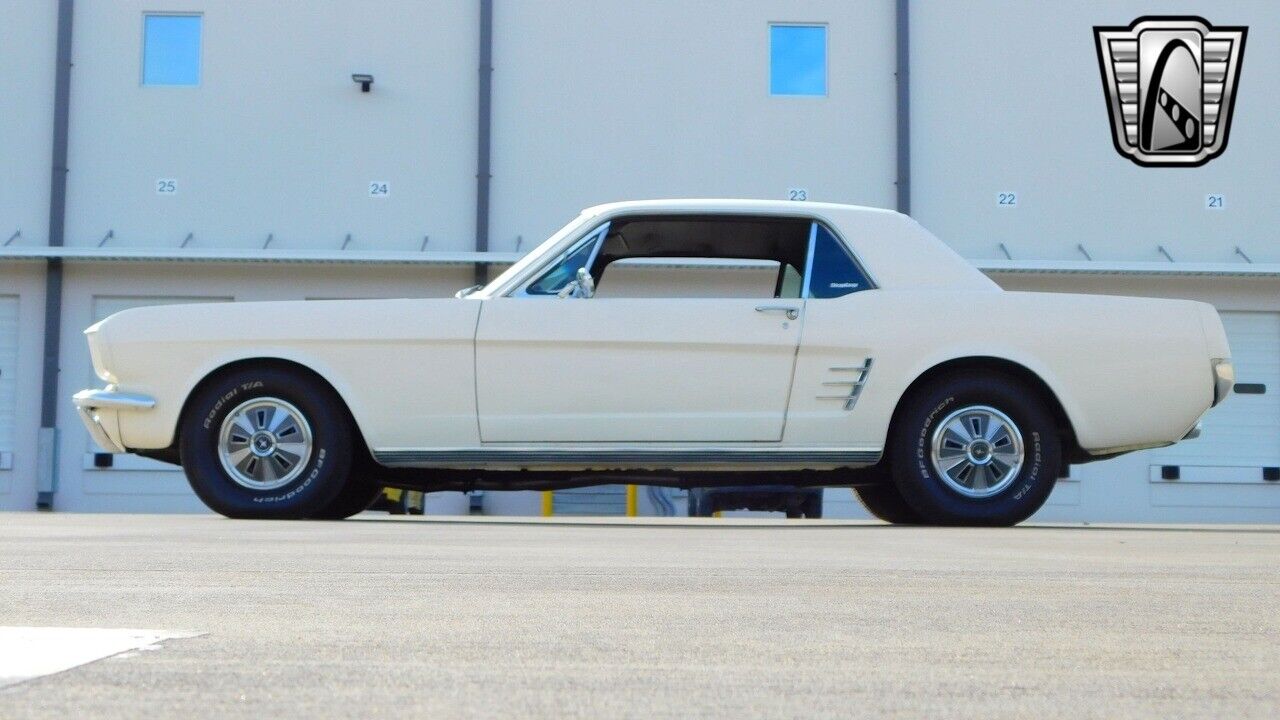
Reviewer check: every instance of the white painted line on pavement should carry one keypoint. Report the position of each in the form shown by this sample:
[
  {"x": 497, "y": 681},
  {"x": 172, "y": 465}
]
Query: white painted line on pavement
[{"x": 31, "y": 652}]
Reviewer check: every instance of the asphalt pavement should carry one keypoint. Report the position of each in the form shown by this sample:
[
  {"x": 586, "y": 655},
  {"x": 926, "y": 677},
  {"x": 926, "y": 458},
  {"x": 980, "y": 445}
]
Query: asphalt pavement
[{"x": 713, "y": 618}]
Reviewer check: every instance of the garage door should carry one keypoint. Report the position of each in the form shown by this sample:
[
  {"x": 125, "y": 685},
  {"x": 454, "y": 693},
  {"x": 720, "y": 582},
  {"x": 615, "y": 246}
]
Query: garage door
[
  {"x": 8, "y": 371},
  {"x": 1235, "y": 462}
]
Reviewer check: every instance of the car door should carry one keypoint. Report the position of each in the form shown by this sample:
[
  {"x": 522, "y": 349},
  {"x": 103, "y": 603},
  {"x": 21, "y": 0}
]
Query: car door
[
  {"x": 634, "y": 369},
  {"x": 625, "y": 369}
]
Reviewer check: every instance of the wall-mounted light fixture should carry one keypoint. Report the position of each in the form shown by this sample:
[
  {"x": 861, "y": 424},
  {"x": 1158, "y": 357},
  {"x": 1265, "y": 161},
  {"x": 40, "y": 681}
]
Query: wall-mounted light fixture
[{"x": 366, "y": 81}]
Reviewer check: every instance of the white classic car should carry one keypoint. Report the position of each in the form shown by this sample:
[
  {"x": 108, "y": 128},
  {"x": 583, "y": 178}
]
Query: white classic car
[{"x": 680, "y": 343}]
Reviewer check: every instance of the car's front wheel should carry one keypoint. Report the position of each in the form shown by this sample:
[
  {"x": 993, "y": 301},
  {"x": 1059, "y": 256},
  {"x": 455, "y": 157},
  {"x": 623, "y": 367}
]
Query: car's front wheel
[
  {"x": 975, "y": 450},
  {"x": 267, "y": 443}
]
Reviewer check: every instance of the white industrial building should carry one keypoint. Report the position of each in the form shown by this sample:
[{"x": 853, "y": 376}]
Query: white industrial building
[{"x": 196, "y": 151}]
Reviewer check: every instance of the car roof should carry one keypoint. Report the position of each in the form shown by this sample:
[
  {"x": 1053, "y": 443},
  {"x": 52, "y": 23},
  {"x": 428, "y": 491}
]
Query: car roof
[
  {"x": 787, "y": 207},
  {"x": 898, "y": 251}
]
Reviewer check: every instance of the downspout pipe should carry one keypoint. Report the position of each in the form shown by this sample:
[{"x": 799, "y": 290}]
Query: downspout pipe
[
  {"x": 484, "y": 115},
  {"x": 903, "y": 83},
  {"x": 47, "y": 465}
]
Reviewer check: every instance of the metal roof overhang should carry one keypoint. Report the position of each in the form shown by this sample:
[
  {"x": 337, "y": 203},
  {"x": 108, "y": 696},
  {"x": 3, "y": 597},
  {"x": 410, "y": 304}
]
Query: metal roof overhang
[
  {"x": 255, "y": 255},
  {"x": 1146, "y": 269}
]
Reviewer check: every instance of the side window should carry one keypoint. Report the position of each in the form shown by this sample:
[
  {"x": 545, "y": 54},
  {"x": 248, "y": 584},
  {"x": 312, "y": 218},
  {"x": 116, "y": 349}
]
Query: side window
[
  {"x": 834, "y": 272},
  {"x": 675, "y": 277},
  {"x": 682, "y": 255},
  {"x": 554, "y": 280},
  {"x": 790, "y": 284}
]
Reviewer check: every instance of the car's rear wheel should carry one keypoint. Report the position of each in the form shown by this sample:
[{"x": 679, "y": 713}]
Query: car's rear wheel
[
  {"x": 975, "y": 450},
  {"x": 884, "y": 502},
  {"x": 267, "y": 443}
]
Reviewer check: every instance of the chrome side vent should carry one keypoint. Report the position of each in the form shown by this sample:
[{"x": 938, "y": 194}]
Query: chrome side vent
[{"x": 855, "y": 384}]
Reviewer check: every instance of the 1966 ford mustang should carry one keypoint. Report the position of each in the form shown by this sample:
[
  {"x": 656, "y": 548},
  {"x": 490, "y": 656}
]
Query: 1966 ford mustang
[{"x": 680, "y": 343}]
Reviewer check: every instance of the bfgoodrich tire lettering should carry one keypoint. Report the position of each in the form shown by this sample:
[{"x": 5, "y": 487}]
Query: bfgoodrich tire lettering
[
  {"x": 327, "y": 465},
  {"x": 939, "y": 500}
]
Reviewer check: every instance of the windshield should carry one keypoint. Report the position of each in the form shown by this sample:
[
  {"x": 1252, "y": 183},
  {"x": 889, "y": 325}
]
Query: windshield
[{"x": 535, "y": 255}]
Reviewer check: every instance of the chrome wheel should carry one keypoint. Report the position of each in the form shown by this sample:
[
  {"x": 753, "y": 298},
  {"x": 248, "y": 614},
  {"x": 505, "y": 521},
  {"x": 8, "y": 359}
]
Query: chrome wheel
[
  {"x": 264, "y": 443},
  {"x": 977, "y": 451}
]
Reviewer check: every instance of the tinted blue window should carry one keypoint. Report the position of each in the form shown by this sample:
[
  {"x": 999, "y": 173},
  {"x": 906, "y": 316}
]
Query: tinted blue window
[
  {"x": 171, "y": 50},
  {"x": 797, "y": 60},
  {"x": 834, "y": 271},
  {"x": 566, "y": 271}
]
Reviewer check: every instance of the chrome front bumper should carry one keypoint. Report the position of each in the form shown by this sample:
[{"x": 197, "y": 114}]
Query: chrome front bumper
[{"x": 100, "y": 411}]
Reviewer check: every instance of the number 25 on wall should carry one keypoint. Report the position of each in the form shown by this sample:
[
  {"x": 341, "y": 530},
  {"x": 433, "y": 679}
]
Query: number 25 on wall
[{"x": 166, "y": 186}]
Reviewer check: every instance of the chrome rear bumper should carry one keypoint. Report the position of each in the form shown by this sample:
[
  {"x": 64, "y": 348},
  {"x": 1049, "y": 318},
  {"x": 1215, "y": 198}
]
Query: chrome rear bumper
[
  {"x": 1224, "y": 376},
  {"x": 100, "y": 411}
]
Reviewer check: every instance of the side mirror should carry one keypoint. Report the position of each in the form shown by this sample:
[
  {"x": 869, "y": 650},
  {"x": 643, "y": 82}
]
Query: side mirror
[
  {"x": 586, "y": 283},
  {"x": 583, "y": 287}
]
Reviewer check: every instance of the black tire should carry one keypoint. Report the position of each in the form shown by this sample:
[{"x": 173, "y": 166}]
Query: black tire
[
  {"x": 920, "y": 483},
  {"x": 355, "y": 498},
  {"x": 325, "y": 472},
  {"x": 813, "y": 507},
  {"x": 885, "y": 503}
]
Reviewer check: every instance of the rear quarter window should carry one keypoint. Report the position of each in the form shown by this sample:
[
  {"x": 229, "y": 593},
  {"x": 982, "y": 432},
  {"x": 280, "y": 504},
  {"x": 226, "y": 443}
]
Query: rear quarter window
[{"x": 835, "y": 273}]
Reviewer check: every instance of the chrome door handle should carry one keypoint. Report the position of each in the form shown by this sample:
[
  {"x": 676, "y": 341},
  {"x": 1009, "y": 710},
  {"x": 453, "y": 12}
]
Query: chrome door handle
[{"x": 792, "y": 313}]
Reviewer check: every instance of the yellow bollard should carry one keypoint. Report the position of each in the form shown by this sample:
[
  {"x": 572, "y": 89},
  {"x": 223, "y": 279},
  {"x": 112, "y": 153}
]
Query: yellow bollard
[
  {"x": 548, "y": 503},
  {"x": 631, "y": 501}
]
